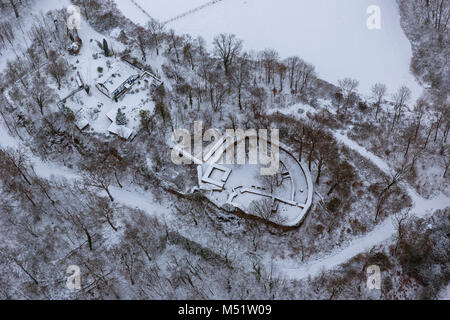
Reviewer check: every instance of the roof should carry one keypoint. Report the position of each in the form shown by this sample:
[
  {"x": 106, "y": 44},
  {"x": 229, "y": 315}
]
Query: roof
[
  {"x": 118, "y": 74},
  {"x": 121, "y": 131},
  {"x": 82, "y": 123},
  {"x": 111, "y": 115}
]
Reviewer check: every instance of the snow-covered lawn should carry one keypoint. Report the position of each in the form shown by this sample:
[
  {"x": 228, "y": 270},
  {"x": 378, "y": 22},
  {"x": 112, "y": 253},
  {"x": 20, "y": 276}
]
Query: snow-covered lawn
[{"x": 331, "y": 34}]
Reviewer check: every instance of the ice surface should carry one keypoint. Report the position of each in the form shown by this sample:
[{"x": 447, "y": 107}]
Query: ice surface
[{"x": 331, "y": 34}]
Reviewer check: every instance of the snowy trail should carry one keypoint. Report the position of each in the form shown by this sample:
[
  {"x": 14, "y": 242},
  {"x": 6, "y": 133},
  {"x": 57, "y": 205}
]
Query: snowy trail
[
  {"x": 143, "y": 201},
  {"x": 381, "y": 233}
]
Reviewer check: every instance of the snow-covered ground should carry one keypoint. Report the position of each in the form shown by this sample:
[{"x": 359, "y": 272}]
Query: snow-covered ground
[
  {"x": 381, "y": 233},
  {"x": 331, "y": 34},
  {"x": 21, "y": 41}
]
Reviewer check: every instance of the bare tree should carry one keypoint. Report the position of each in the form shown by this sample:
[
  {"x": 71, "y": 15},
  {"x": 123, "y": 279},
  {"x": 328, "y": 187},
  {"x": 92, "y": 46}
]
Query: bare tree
[
  {"x": 292, "y": 64},
  {"x": 156, "y": 30},
  {"x": 281, "y": 71},
  {"x": 240, "y": 76},
  {"x": 305, "y": 75},
  {"x": 348, "y": 87},
  {"x": 401, "y": 219},
  {"x": 378, "y": 93},
  {"x": 14, "y": 6},
  {"x": 16, "y": 71},
  {"x": 401, "y": 97},
  {"x": 41, "y": 94},
  {"x": 327, "y": 150},
  {"x": 175, "y": 44},
  {"x": 343, "y": 174},
  {"x": 269, "y": 57},
  {"x": 39, "y": 33},
  {"x": 57, "y": 67},
  {"x": 399, "y": 175},
  {"x": 271, "y": 182},
  {"x": 99, "y": 176},
  {"x": 140, "y": 40},
  {"x": 227, "y": 47},
  {"x": 445, "y": 154}
]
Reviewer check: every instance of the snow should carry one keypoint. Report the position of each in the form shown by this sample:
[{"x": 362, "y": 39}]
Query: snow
[
  {"x": 159, "y": 12},
  {"x": 325, "y": 51},
  {"x": 381, "y": 233},
  {"x": 240, "y": 185},
  {"x": 95, "y": 106},
  {"x": 6, "y": 140},
  {"x": 82, "y": 123},
  {"x": 111, "y": 115},
  {"x": 364, "y": 152},
  {"x": 121, "y": 131},
  {"x": 445, "y": 294},
  {"x": 120, "y": 71},
  {"x": 330, "y": 34},
  {"x": 22, "y": 27}
]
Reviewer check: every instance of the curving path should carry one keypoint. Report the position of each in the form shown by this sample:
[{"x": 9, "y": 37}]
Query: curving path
[{"x": 381, "y": 233}]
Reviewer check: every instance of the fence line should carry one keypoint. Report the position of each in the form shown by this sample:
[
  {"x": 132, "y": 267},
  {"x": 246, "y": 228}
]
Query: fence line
[
  {"x": 142, "y": 9},
  {"x": 180, "y": 16}
]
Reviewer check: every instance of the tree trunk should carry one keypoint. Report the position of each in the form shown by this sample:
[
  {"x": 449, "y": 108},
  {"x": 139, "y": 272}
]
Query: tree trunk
[
  {"x": 239, "y": 98},
  {"x": 89, "y": 239},
  {"x": 117, "y": 180},
  {"x": 332, "y": 188},
  {"x": 319, "y": 170},
  {"x": 109, "y": 194},
  {"x": 16, "y": 12}
]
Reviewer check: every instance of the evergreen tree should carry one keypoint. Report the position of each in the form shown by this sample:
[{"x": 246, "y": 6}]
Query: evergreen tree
[
  {"x": 105, "y": 48},
  {"x": 121, "y": 118}
]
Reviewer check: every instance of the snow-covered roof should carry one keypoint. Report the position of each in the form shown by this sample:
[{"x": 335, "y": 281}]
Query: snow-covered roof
[
  {"x": 119, "y": 73},
  {"x": 82, "y": 123},
  {"x": 121, "y": 131},
  {"x": 111, "y": 115}
]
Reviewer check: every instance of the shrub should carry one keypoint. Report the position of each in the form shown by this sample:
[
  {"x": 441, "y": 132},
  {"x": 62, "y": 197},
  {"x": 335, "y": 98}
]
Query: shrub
[
  {"x": 333, "y": 204},
  {"x": 121, "y": 118}
]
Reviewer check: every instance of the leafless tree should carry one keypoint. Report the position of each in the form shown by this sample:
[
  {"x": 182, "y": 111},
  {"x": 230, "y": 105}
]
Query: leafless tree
[
  {"x": 343, "y": 174},
  {"x": 378, "y": 93},
  {"x": 388, "y": 185},
  {"x": 14, "y": 6},
  {"x": 305, "y": 76},
  {"x": 348, "y": 87},
  {"x": 271, "y": 181},
  {"x": 240, "y": 76},
  {"x": 175, "y": 44},
  {"x": 227, "y": 47},
  {"x": 57, "y": 67},
  {"x": 140, "y": 40},
  {"x": 292, "y": 64},
  {"x": 281, "y": 71},
  {"x": 269, "y": 57},
  {"x": 156, "y": 30},
  {"x": 39, "y": 33},
  {"x": 326, "y": 151},
  {"x": 41, "y": 94},
  {"x": 99, "y": 176},
  {"x": 401, "y": 97}
]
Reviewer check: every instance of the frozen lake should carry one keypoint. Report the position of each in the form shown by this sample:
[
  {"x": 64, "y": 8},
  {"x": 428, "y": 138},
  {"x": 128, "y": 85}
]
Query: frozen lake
[{"x": 330, "y": 34}]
